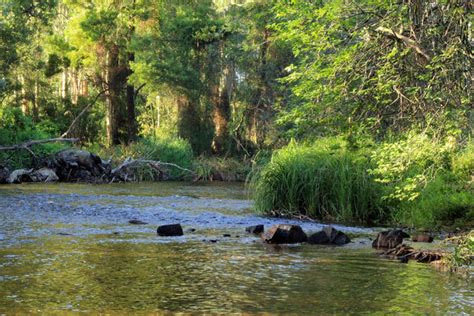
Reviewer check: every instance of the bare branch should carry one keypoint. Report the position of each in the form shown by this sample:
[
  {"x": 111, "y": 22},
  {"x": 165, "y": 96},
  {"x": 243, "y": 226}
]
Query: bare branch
[
  {"x": 84, "y": 110},
  {"x": 410, "y": 43},
  {"x": 30, "y": 143},
  {"x": 151, "y": 163}
]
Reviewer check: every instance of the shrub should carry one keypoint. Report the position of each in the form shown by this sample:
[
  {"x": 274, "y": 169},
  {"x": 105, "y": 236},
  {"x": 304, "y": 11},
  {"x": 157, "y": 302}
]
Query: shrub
[
  {"x": 444, "y": 201},
  {"x": 323, "y": 180}
]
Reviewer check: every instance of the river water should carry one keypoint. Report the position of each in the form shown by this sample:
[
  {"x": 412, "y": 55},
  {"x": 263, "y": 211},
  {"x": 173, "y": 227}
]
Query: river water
[{"x": 70, "y": 248}]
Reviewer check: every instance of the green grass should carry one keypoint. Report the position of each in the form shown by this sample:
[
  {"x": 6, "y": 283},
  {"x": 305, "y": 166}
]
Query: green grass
[
  {"x": 226, "y": 169},
  {"x": 322, "y": 181}
]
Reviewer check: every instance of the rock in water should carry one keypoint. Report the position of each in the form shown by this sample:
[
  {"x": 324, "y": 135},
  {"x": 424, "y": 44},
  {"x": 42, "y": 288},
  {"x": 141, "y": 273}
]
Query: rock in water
[
  {"x": 335, "y": 236},
  {"x": 389, "y": 239},
  {"x": 284, "y": 234},
  {"x": 422, "y": 238},
  {"x": 137, "y": 222},
  {"x": 319, "y": 238},
  {"x": 329, "y": 236},
  {"x": 4, "y": 174},
  {"x": 170, "y": 230},
  {"x": 257, "y": 229}
]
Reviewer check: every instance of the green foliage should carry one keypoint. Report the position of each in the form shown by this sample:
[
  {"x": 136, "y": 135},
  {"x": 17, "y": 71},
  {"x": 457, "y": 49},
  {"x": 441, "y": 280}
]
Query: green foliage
[
  {"x": 463, "y": 254},
  {"x": 323, "y": 181},
  {"x": 388, "y": 65},
  {"x": 16, "y": 128},
  {"x": 407, "y": 165},
  {"x": 218, "y": 168},
  {"x": 446, "y": 200},
  {"x": 416, "y": 181}
]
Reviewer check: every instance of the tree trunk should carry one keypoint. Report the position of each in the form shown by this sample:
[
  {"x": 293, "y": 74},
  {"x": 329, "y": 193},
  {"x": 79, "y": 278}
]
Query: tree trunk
[
  {"x": 36, "y": 102},
  {"x": 112, "y": 96},
  {"x": 64, "y": 84},
  {"x": 131, "y": 117},
  {"x": 221, "y": 98},
  {"x": 257, "y": 118}
]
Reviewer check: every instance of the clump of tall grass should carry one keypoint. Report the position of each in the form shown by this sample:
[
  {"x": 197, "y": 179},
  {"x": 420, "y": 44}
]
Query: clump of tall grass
[{"x": 322, "y": 180}]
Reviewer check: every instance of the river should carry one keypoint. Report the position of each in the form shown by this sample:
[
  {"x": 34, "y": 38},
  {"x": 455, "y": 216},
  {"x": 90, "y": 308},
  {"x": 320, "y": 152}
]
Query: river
[{"x": 70, "y": 248}]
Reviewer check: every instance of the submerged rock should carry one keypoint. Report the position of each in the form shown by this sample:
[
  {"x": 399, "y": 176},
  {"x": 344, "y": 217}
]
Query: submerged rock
[
  {"x": 257, "y": 229},
  {"x": 329, "y": 236},
  {"x": 170, "y": 230},
  {"x": 389, "y": 239},
  {"x": 137, "y": 222},
  {"x": 284, "y": 234},
  {"x": 422, "y": 238}
]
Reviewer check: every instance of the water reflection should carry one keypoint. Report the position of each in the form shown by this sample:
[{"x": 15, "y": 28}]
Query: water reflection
[
  {"x": 94, "y": 270},
  {"x": 81, "y": 274}
]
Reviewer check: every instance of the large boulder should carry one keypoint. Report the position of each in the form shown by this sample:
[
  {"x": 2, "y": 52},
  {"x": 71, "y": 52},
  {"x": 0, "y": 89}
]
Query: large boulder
[
  {"x": 30, "y": 175},
  {"x": 329, "y": 236},
  {"x": 284, "y": 234},
  {"x": 4, "y": 174},
  {"x": 20, "y": 175},
  {"x": 80, "y": 165},
  {"x": 170, "y": 230},
  {"x": 389, "y": 239}
]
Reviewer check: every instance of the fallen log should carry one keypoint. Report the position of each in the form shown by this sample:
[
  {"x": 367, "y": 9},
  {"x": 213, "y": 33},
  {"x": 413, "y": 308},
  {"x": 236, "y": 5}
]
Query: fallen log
[{"x": 123, "y": 171}]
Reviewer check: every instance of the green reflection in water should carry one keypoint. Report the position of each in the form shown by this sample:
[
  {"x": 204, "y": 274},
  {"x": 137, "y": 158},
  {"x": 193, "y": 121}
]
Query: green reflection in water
[
  {"x": 207, "y": 190},
  {"x": 98, "y": 273}
]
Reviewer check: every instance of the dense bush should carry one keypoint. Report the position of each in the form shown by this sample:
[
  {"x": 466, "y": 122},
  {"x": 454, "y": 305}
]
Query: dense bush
[{"x": 416, "y": 180}]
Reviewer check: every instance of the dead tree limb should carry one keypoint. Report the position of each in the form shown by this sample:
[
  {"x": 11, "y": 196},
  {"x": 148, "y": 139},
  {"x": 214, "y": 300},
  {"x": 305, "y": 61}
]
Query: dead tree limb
[
  {"x": 28, "y": 144},
  {"x": 410, "y": 43},
  {"x": 120, "y": 171},
  {"x": 84, "y": 110}
]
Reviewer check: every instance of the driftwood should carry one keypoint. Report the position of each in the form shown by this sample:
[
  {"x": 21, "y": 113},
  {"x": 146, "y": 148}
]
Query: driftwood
[
  {"x": 123, "y": 171},
  {"x": 404, "y": 253},
  {"x": 410, "y": 43},
  {"x": 26, "y": 145}
]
